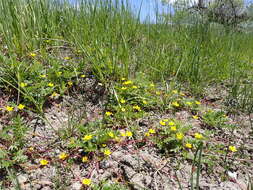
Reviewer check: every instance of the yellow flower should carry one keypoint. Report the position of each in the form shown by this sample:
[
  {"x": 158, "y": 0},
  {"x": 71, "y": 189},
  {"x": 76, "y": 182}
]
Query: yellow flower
[
  {"x": 111, "y": 134},
  {"x": 152, "y": 85},
  {"x": 151, "y": 131},
  {"x": 197, "y": 102},
  {"x": 175, "y": 104},
  {"x": 70, "y": 83},
  {"x": 179, "y": 136},
  {"x": 198, "y": 136},
  {"x": 9, "y": 108},
  {"x": 129, "y": 134},
  {"x": 43, "y": 162},
  {"x": 67, "y": 58},
  {"x": 86, "y": 181},
  {"x": 54, "y": 94},
  {"x": 232, "y": 148},
  {"x": 21, "y": 106},
  {"x": 123, "y": 88},
  {"x": 33, "y": 54},
  {"x": 122, "y": 101},
  {"x": 87, "y": 137},
  {"x": 107, "y": 152},
  {"x": 43, "y": 76},
  {"x": 157, "y": 93},
  {"x": 173, "y": 128},
  {"x": 63, "y": 156},
  {"x": 162, "y": 123},
  {"x": 144, "y": 102},
  {"x": 123, "y": 78},
  {"x": 188, "y": 145},
  {"x": 134, "y": 87},
  {"x": 50, "y": 84},
  {"x": 104, "y": 145},
  {"x": 147, "y": 134},
  {"x": 23, "y": 84},
  {"x": 174, "y": 91},
  {"x": 137, "y": 108},
  {"x": 195, "y": 117},
  {"x": 128, "y": 82},
  {"x": 171, "y": 123},
  {"x": 123, "y": 109},
  {"x": 123, "y": 134},
  {"x": 59, "y": 73},
  {"x": 31, "y": 148},
  {"x": 188, "y": 103},
  {"x": 108, "y": 113},
  {"x": 182, "y": 94},
  {"x": 82, "y": 76},
  {"x": 165, "y": 120},
  {"x": 84, "y": 159}
]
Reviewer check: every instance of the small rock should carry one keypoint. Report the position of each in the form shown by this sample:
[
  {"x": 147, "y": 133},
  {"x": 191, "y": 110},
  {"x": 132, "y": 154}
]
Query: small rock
[
  {"x": 22, "y": 178},
  {"x": 76, "y": 186}
]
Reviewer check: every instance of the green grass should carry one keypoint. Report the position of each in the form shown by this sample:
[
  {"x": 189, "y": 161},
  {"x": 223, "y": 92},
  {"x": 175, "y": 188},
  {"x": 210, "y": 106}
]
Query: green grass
[{"x": 113, "y": 43}]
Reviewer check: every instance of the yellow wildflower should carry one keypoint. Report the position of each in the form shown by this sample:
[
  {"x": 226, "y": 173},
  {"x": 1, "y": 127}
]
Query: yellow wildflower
[
  {"x": 9, "y": 108},
  {"x": 195, "y": 117},
  {"x": 174, "y": 91},
  {"x": 21, "y": 106},
  {"x": 136, "y": 107},
  {"x": 128, "y": 82},
  {"x": 59, "y": 73},
  {"x": 50, "y": 84},
  {"x": 179, "y": 136},
  {"x": 86, "y": 181},
  {"x": 129, "y": 134},
  {"x": 87, "y": 137},
  {"x": 147, "y": 134},
  {"x": 165, "y": 120},
  {"x": 123, "y": 88},
  {"x": 173, "y": 128},
  {"x": 43, "y": 162},
  {"x": 23, "y": 84},
  {"x": 151, "y": 131},
  {"x": 122, "y": 101},
  {"x": 188, "y": 103},
  {"x": 171, "y": 123},
  {"x": 175, "y": 104},
  {"x": 232, "y": 148},
  {"x": 104, "y": 145},
  {"x": 63, "y": 156},
  {"x": 198, "y": 136},
  {"x": 188, "y": 145},
  {"x": 197, "y": 102},
  {"x": 84, "y": 159},
  {"x": 158, "y": 93},
  {"x": 108, "y": 113},
  {"x": 82, "y": 76},
  {"x": 111, "y": 134},
  {"x": 152, "y": 85},
  {"x": 107, "y": 152},
  {"x": 67, "y": 58},
  {"x": 123, "y": 79},
  {"x": 54, "y": 94},
  {"x": 144, "y": 102},
  {"x": 123, "y": 109},
  {"x": 70, "y": 83},
  {"x": 43, "y": 76},
  {"x": 162, "y": 123},
  {"x": 123, "y": 134},
  {"x": 33, "y": 54},
  {"x": 134, "y": 87}
]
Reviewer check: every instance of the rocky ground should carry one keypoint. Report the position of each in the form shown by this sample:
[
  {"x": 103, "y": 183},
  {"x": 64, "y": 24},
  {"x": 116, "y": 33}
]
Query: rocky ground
[{"x": 136, "y": 167}]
